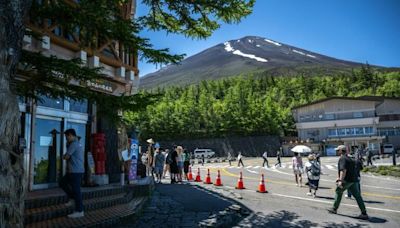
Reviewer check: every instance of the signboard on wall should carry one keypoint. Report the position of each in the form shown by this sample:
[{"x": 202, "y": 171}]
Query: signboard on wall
[
  {"x": 134, "y": 151},
  {"x": 330, "y": 150}
]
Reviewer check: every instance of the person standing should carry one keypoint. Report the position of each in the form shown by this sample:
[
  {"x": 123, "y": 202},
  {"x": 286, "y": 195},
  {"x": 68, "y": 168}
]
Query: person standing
[
  {"x": 265, "y": 157},
  {"x": 240, "y": 161},
  {"x": 71, "y": 182},
  {"x": 167, "y": 156},
  {"x": 186, "y": 163},
  {"x": 297, "y": 164},
  {"x": 202, "y": 159},
  {"x": 174, "y": 166},
  {"x": 179, "y": 150},
  {"x": 346, "y": 181},
  {"x": 229, "y": 158},
  {"x": 158, "y": 165},
  {"x": 150, "y": 156},
  {"x": 313, "y": 171}
]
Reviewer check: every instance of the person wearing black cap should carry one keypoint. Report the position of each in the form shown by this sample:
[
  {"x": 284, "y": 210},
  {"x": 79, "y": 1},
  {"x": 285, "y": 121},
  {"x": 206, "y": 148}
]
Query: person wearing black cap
[
  {"x": 71, "y": 182},
  {"x": 347, "y": 181}
]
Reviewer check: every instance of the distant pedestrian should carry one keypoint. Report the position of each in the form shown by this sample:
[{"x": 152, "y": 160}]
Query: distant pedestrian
[
  {"x": 202, "y": 159},
  {"x": 186, "y": 163},
  {"x": 179, "y": 150},
  {"x": 346, "y": 180},
  {"x": 158, "y": 165},
  {"x": 229, "y": 158},
  {"x": 265, "y": 158},
  {"x": 192, "y": 158},
  {"x": 369, "y": 156},
  {"x": 71, "y": 182},
  {"x": 167, "y": 163},
  {"x": 240, "y": 161},
  {"x": 278, "y": 158},
  {"x": 174, "y": 166},
  {"x": 150, "y": 156},
  {"x": 313, "y": 171},
  {"x": 297, "y": 164}
]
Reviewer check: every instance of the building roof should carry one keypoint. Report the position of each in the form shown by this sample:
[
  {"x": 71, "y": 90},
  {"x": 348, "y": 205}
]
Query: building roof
[{"x": 362, "y": 98}]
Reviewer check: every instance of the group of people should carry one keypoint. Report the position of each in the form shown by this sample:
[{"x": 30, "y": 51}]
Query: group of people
[
  {"x": 264, "y": 156},
  {"x": 175, "y": 161},
  {"x": 312, "y": 168}
]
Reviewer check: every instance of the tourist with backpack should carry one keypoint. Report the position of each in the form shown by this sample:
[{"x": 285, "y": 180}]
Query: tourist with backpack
[
  {"x": 158, "y": 164},
  {"x": 313, "y": 171}
]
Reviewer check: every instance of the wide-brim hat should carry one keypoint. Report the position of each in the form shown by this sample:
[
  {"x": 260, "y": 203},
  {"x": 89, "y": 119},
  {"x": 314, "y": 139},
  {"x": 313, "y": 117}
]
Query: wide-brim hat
[{"x": 151, "y": 141}]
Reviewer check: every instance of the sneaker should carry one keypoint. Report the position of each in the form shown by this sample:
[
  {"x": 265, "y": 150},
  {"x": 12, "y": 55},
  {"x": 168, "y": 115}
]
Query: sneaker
[
  {"x": 315, "y": 195},
  {"x": 349, "y": 197},
  {"x": 332, "y": 211},
  {"x": 76, "y": 214},
  {"x": 70, "y": 203},
  {"x": 309, "y": 193},
  {"x": 363, "y": 217},
  {"x": 297, "y": 185}
]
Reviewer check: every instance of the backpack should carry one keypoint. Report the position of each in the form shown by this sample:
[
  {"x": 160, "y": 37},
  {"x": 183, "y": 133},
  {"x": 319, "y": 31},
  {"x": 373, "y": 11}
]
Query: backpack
[{"x": 315, "y": 170}]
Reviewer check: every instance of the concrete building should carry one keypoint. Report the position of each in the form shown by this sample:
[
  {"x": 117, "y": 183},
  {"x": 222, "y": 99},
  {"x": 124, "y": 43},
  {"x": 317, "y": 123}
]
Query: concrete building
[
  {"x": 368, "y": 121},
  {"x": 42, "y": 122}
]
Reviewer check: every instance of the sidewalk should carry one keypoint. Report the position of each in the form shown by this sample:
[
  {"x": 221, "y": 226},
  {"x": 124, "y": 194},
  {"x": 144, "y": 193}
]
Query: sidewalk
[{"x": 185, "y": 205}]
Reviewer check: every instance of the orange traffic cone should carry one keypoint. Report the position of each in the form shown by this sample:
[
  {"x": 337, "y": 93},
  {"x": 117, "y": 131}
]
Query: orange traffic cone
[
  {"x": 190, "y": 175},
  {"x": 198, "y": 178},
  {"x": 208, "y": 178},
  {"x": 261, "y": 186},
  {"x": 218, "y": 181},
  {"x": 240, "y": 184}
]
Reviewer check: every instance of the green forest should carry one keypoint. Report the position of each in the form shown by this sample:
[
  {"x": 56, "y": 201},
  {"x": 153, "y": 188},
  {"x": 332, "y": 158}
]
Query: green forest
[{"x": 249, "y": 104}]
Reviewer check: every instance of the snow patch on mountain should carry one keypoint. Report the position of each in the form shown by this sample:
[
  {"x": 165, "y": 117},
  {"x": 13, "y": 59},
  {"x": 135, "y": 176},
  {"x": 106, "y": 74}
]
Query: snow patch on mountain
[
  {"x": 273, "y": 42},
  {"x": 229, "y": 48},
  {"x": 258, "y": 45},
  {"x": 302, "y": 53},
  {"x": 250, "y": 41},
  {"x": 312, "y": 56}
]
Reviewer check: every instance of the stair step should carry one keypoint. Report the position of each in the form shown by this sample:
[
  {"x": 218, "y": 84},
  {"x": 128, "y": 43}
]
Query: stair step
[
  {"x": 44, "y": 213},
  {"x": 100, "y": 218},
  {"x": 51, "y": 197}
]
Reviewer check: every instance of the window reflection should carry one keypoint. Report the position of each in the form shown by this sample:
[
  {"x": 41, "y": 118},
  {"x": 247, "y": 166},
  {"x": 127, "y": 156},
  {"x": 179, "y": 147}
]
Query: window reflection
[{"x": 51, "y": 103}]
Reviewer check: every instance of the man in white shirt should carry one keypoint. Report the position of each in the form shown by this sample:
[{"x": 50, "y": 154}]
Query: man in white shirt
[{"x": 265, "y": 157}]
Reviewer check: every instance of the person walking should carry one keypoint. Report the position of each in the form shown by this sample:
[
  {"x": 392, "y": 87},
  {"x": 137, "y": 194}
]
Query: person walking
[
  {"x": 150, "y": 156},
  {"x": 202, "y": 159},
  {"x": 278, "y": 158},
  {"x": 346, "y": 180},
  {"x": 240, "y": 161},
  {"x": 229, "y": 158},
  {"x": 186, "y": 163},
  {"x": 297, "y": 164},
  {"x": 369, "y": 156},
  {"x": 313, "y": 171},
  {"x": 265, "y": 158},
  {"x": 158, "y": 165},
  {"x": 71, "y": 182}
]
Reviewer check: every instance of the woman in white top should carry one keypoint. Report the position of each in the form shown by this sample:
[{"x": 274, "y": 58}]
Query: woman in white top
[{"x": 297, "y": 164}]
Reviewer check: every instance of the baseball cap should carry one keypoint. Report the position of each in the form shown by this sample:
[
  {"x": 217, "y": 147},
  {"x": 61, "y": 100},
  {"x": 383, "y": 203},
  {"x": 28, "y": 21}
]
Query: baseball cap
[{"x": 341, "y": 147}]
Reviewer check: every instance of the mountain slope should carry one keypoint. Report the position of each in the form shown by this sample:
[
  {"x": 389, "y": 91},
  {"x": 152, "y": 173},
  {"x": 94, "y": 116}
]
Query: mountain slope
[{"x": 248, "y": 54}]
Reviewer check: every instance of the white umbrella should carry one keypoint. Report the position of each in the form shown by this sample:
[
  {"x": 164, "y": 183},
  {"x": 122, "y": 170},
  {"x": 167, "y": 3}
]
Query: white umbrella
[{"x": 301, "y": 149}]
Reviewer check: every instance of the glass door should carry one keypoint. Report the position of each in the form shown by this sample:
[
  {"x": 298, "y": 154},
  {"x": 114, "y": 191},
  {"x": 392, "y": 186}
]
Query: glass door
[{"x": 47, "y": 152}]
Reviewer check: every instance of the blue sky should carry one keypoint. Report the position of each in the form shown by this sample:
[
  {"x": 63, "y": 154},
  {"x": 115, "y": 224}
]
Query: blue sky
[{"x": 356, "y": 30}]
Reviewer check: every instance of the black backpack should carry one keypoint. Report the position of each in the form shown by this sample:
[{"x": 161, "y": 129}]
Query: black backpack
[
  {"x": 315, "y": 170},
  {"x": 168, "y": 160}
]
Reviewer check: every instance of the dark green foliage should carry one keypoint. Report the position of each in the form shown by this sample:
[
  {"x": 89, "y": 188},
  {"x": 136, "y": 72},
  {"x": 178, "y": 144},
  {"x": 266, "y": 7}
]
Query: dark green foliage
[{"x": 250, "y": 105}]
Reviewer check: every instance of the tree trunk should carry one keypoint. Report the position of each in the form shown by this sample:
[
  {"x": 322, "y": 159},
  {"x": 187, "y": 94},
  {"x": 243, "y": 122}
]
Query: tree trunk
[{"x": 12, "y": 182}]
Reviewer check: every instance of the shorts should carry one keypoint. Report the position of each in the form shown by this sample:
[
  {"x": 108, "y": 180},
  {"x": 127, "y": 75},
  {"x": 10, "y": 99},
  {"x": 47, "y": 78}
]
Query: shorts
[
  {"x": 180, "y": 165},
  {"x": 186, "y": 166},
  {"x": 313, "y": 184},
  {"x": 297, "y": 170},
  {"x": 158, "y": 170}
]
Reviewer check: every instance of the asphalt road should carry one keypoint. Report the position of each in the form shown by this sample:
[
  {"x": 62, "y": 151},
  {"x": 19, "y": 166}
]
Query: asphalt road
[{"x": 286, "y": 205}]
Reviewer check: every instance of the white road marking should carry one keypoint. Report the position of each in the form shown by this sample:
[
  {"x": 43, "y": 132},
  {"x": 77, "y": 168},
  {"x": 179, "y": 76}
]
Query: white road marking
[
  {"x": 257, "y": 167},
  {"x": 248, "y": 167},
  {"x": 290, "y": 166},
  {"x": 330, "y": 202},
  {"x": 330, "y": 167},
  {"x": 251, "y": 171}
]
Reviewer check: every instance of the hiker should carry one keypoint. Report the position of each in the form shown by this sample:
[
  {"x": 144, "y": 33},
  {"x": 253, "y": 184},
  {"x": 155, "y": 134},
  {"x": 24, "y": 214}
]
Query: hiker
[
  {"x": 71, "y": 182},
  {"x": 202, "y": 159},
  {"x": 158, "y": 165},
  {"x": 240, "y": 161},
  {"x": 265, "y": 157},
  {"x": 313, "y": 171},
  {"x": 150, "y": 156},
  {"x": 346, "y": 180},
  {"x": 297, "y": 164},
  {"x": 186, "y": 163},
  {"x": 174, "y": 166},
  {"x": 278, "y": 158},
  {"x": 369, "y": 156}
]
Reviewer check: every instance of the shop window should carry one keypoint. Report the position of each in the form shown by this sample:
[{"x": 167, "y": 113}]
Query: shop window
[
  {"x": 359, "y": 130},
  {"x": 349, "y": 131},
  {"x": 57, "y": 103},
  {"x": 78, "y": 106},
  {"x": 369, "y": 130},
  {"x": 357, "y": 114},
  {"x": 342, "y": 131},
  {"x": 332, "y": 132}
]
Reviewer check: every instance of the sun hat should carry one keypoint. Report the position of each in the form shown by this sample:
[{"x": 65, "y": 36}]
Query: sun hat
[
  {"x": 341, "y": 147},
  {"x": 151, "y": 141}
]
